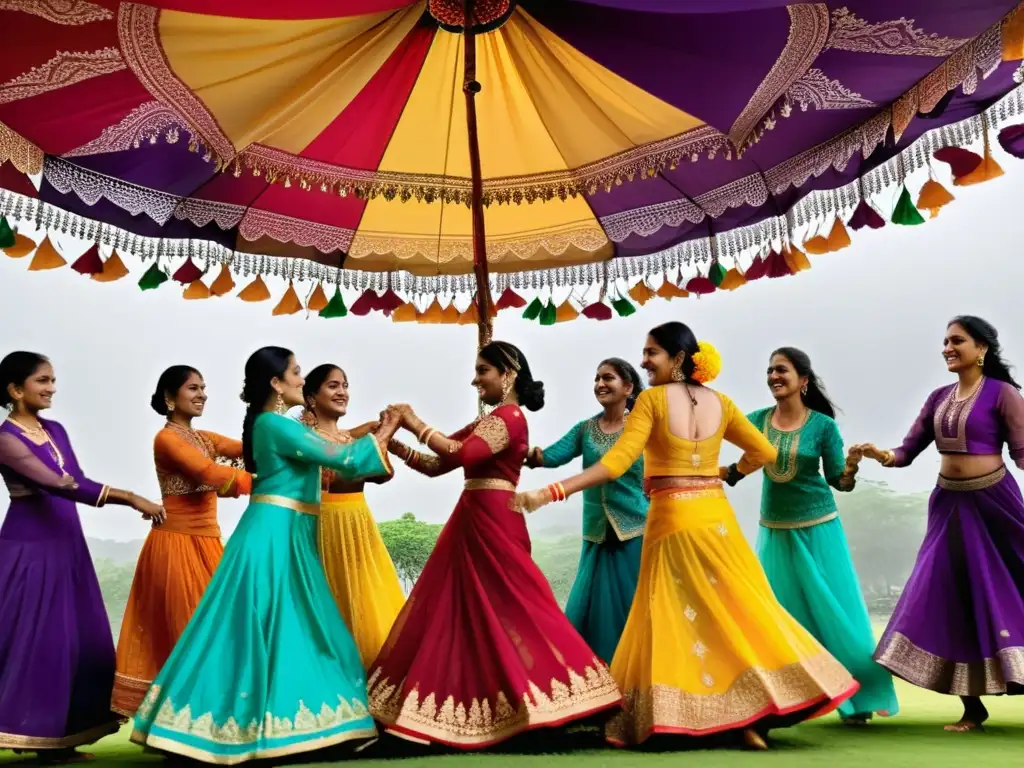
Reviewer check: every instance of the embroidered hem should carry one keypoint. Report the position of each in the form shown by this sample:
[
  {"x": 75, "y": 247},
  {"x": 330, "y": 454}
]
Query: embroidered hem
[
  {"x": 792, "y": 525},
  {"x": 990, "y": 676},
  {"x": 477, "y": 725},
  {"x": 128, "y": 694},
  {"x": 756, "y": 693},
  {"x": 18, "y": 741}
]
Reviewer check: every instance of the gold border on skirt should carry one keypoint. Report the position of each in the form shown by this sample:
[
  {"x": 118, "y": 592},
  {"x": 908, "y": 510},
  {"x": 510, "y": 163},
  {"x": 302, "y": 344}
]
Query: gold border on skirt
[{"x": 32, "y": 743}]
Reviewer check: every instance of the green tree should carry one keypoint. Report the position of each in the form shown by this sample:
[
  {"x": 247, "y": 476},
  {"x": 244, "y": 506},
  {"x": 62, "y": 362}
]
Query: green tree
[
  {"x": 115, "y": 584},
  {"x": 557, "y": 560},
  {"x": 409, "y": 542}
]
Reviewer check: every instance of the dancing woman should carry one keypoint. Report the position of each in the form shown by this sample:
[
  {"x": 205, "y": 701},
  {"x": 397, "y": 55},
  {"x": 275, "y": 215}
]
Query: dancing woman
[
  {"x": 266, "y": 667},
  {"x": 481, "y": 651},
  {"x": 178, "y": 558},
  {"x": 958, "y": 627},
  {"x": 801, "y": 543},
  {"x": 613, "y": 514},
  {"x": 706, "y": 648},
  {"x": 358, "y": 567},
  {"x": 56, "y": 651}
]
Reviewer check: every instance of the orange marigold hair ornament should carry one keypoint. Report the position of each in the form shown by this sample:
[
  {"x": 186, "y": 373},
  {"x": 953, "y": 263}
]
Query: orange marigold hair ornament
[{"x": 707, "y": 363}]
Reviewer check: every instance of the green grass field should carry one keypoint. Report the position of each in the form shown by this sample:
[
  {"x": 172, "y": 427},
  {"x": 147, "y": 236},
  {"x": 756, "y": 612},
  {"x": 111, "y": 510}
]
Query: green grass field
[{"x": 914, "y": 737}]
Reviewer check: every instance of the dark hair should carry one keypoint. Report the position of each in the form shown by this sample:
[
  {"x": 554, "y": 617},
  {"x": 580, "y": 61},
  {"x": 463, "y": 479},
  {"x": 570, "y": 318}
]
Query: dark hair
[
  {"x": 263, "y": 365},
  {"x": 16, "y": 369},
  {"x": 985, "y": 333},
  {"x": 316, "y": 378},
  {"x": 676, "y": 337},
  {"x": 628, "y": 374},
  {"x": 508, "y": 358},
  {"x": 168, "y": 384},
  {"x": 815, "y": 398}
]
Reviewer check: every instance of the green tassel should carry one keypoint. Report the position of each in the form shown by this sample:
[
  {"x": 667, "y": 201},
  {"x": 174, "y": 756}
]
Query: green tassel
[
  {"x": 547, "y": 315},
  {"x": 336, "y": 306},
  {"x": 623, "y": 307},
  {"x": 154, "y": 278},
  {"x": 905, "y": 212},
  {"x": 6, "y": 234},
  {"x": 717, "y": 274},
  {"x": 533, "y": 311}
]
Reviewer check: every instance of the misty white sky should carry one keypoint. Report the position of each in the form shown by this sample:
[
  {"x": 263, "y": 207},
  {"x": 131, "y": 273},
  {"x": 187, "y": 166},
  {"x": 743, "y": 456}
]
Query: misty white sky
[{"x": 871, "y": 317}]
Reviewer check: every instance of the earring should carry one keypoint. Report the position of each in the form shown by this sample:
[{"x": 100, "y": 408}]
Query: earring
[
  {"x": 803, "y": 390},
  {"x": 981, "y": 361},
  {"x": 170, "y": 407},
  {"x": 506, "y": 387},
  {"x": 677, "y": 371},
  {"x": 280, "y": 406}
]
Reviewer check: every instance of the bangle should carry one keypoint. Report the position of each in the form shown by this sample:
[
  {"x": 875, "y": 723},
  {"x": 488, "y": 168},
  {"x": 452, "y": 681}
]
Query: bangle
[
  {"x": 557, "y": 491},
  {"x": 889, "y": 459},
  {"x": 425, "y": 434}
]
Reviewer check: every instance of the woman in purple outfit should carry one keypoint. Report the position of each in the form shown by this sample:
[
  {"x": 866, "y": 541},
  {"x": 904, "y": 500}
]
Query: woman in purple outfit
[
  {"x": 959, "y": 626},
  {"x": 56, "y": 651}
]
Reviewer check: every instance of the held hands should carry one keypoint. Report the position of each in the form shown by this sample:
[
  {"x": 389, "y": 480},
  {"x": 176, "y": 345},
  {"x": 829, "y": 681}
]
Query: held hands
[
  {"x": 534, "y": 459},
  {"x": 149, "y": 510},
  {"x": 531, "y": 501},
  {"x": 869, "y": 450},
  {"x": 390, "y": 421}
]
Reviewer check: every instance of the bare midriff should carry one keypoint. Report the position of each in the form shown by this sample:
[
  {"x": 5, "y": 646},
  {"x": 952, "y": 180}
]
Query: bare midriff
[{"x": 962, "y": 465}]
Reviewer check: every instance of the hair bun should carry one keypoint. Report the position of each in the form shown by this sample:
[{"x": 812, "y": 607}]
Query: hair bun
[
  {"x": 532, "y": 397},
  {"x": 158, "y": 403}
]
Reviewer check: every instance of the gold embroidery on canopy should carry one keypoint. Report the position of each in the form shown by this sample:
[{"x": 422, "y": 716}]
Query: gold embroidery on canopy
[
  {"x": 818, "y": 90},
  {"x": 19, "y": 151},
  {"x": 926, "y": 670},
  {"x": 143, "y": 125},
  {"x": 481, "y": 722},
  {"x": 895, "y": 37},
  {"x": 494, "y": 431},
  {"x": 64, "y": 69},
  {"x": 69, "y": 13}
]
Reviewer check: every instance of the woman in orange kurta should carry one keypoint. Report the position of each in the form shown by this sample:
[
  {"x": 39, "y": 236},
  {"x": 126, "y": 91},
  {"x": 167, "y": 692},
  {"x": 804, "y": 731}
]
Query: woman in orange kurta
[{"x": 178, "y": 558}]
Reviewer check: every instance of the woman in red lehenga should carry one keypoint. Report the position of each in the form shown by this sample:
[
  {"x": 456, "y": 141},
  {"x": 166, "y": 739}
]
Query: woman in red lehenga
[{"x": 481, "y": 650}]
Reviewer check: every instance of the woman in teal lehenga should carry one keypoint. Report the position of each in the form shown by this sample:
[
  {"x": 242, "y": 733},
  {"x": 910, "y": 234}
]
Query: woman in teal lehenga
[
  {"x": 613, "y": 515},
  {"x": 266, "y": 667},
  {"x": 801, "y": 543}
]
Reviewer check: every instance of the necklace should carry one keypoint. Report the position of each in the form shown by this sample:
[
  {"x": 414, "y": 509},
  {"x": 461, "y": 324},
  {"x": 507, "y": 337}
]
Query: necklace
[{"x": 40, "y": 432}]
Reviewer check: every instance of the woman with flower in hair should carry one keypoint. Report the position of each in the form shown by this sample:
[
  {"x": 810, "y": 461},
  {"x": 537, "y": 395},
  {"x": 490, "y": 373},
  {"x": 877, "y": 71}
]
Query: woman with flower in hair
[
  {"x": 359, "y": 570},
  {"x": 706, "y": 648},
  {"x": 613, "y": 514}
]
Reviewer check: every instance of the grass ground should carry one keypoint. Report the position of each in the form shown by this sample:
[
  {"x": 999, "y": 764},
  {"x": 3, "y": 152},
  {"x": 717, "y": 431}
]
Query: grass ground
[{"x": 913, "y": 738}]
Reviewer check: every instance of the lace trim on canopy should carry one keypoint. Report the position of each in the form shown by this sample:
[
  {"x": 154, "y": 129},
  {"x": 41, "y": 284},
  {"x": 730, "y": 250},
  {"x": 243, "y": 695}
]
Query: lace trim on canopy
[
  {"x": 139, "y": 35},
  {"x": 19, "y": 151},
  {"x": 143, "y": 125},
  {"x": 69, "y": 13},
  {"x": 310, "y": 234},
  {"x": 64, "y": 69},
  {"x": 818, "y": 90},
  {"x": 896, "y": 37}
]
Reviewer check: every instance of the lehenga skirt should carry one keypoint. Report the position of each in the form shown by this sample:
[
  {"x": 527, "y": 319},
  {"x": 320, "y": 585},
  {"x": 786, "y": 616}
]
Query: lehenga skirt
[
  {"x": 173, "y": 571},
  {"x": 602, "y": 593},
  {"x": 359, "y": 571},
  {"x": 812, "y": 575},
  {"x": 56, "y": 650},
  {"x": 707, "y": 648},
  {"x": 958, "y": 627},
  {"x": 481, "y": 650},
  {"x": 266, "y": 667}
]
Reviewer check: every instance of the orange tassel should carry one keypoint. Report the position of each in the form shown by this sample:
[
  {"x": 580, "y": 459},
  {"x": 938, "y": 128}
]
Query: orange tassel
[
  {"x": 113, "y": 269},
  {"x": 838, "y": 238},
  {"x": 470, "y": 316},
  {"x": 404, "y": 314},
  {"x": 289, "y": 303},
  {"x": 255, "y": 291},
  {"x": 988, "y": 170},
  {"x": 933, "y": 197},
  {"x": 46, "y": 257},
  {"x": 566, "y": 311},
  {"x": 1012, "y": 34},
  {"x": 22, "y": 247},
  {"x": 317, "y": 300},
  {"x": 224, "y": 284},
  {"x": 640, "y": 293},
  {"x": 196, "y": 290},
  {"x": 733, "y": 280},
  {"x": 432, "y": 315},
  {"x": 796, "y": 260},
  {"x": 670, "y": 290},
  {"x": 817, "y": 245}
]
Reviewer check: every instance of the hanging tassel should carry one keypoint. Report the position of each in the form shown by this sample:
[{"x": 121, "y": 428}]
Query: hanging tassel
[
  {"x": 317, "y": 299},
  {"x": 366, "y": 303},
  {"x": 549, "y": 314},
  {"x": 471, "y": 316},
  {"x": 336, "y": 306},
  {"x": 641, "y": 293},
  {"x": 255, "y": 291},
  {"x": 113, "y": 269},
  {"x": 933, "y": 197},
  {"x": 196, "y": 291},
  {"x": 777, "y": 265},
  {"x": 404, "y": 314},
  {"x": 988, "y": 169},
  {"x": 670, "y": 290},
  {"x": 905, "y": 213},
  {"x": 796, "y": 259},
  {"x": 1011, "y": 139},
  {"x": 187, "y": 273},
  {"x": 700, "y": 285},
  {"x": 960, "y": 161},
  {"x": 623, "y": 307},
  {"x": 838, "y": 238},
  {"x": 6, "y": 233},
  {"x": 533, "y": 311},
  {"x": 817, "y": 245},
  {"x": 717, "y": 274},
  {"x": 732, "y": 280},
  {"x": 509, "y": 299},
  {"x": 153, "y": 278},
  {"x": 388, "y": 302},
  {"x": 598, "y": 311},
  {"x": 864, "y": 215},
  {"x": 46, "y": 257},
  {"x": 224, "y": 283},
  {"x": 89, "y": 263},
  {"x": 450, "y": 315},
  {"x": 566, "y": 312},
  {"x": 758, "y": 268},
  {"x": 432, "y": 315},
  {"x": 289, "y": 303},
  {"x": 22, "y": 246}
]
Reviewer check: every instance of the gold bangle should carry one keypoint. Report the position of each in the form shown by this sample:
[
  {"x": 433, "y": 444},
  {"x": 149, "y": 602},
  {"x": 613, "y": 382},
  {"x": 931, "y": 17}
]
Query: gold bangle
[
  {"x": 890, "y": 458},
  {"x": 425, "y": 434}
]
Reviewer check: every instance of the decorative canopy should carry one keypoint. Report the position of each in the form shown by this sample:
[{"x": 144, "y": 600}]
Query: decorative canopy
[{"x": 619, "y": 140}]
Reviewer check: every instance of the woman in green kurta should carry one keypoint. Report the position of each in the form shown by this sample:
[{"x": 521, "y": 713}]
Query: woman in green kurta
[
  {"x": 613, "y": 515},
  {"x": 801, "y": 542},
  {"x": 266, "y": 667}
]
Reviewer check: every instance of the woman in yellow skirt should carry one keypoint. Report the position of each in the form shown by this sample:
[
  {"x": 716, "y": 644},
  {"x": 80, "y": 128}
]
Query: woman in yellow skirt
[
  {"x": 707, "y": 648},
  {"x": 359, "y": 569}
]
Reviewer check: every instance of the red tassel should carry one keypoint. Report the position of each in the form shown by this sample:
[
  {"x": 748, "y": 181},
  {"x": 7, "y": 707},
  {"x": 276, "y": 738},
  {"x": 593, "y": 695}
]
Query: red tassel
[
  {"x": 758, "y": 268},
  {"x": 777, "y": 265},
  {"x": 89, "y": 263},
  {"x": 187, "y": 273},
  {"x": 365, "y": 304},
  {"x": 960, "y": 161},
  {"x": 388, "y": 302},
  {"x": 865, "y": 216},
  {"x": 510, "y": 300},
  {"x": 700, "y": 285},
  {"x": 598, "y": 311},
  {"x": 1011, "y": 138}
]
